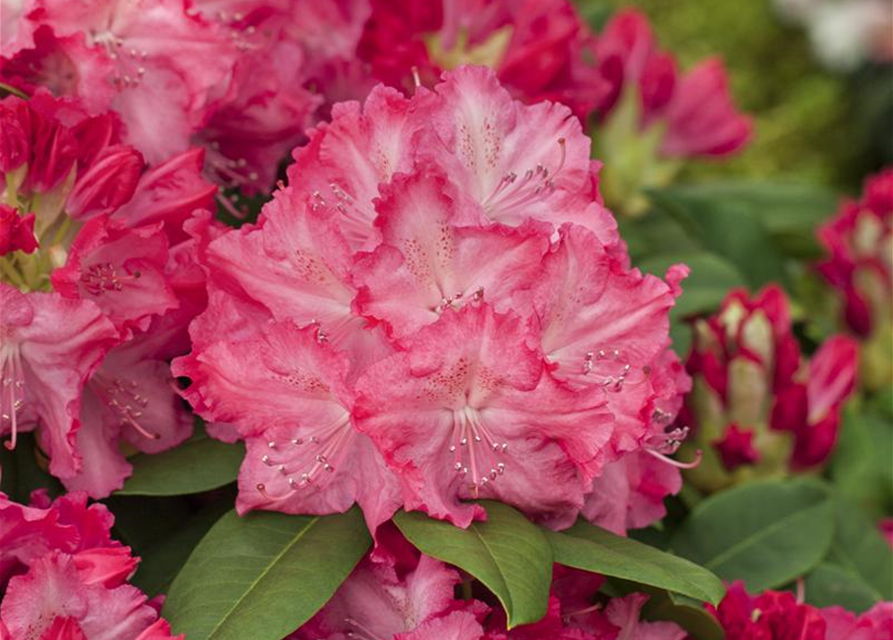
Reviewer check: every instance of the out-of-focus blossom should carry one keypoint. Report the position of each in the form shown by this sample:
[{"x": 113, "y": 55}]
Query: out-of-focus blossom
[
  {"x": 413, "y": 599},
  {"x": 758, "y": 407},
  {"x": 778, "y": 615},
  {"x": 540, "y": 49},
  {"x": 244, "y": 79},
  {"x": 859, "y": 240},
  {"x": 98, "y": 284},
  {"x": 440, "y": 286},
  {"x": 16, "y": 231},
  {"x": 652, "y": 116},
  {"x": 66, "y": 578}
]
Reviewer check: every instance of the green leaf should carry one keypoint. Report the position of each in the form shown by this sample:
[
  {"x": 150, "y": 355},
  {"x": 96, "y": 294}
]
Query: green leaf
[
  {"x": 687, "y": 613},
  {"x": 859, "y": 549},
  {"x": 263, "y": 575},
  {"x": 161, "y": 561},
  {"x": 788, "y": 212},
  {"x": 860, "y": 468},
  {"x": 585, "y": 546},
  {"x": 765, "y": 533},
  {"x": 21, "y": 473},
  {"x": 829, "y": 584},
  {"x": 711, "y": 278},
  {"x": 507, "y": 553},
  {"x": 199, "y": 464}
]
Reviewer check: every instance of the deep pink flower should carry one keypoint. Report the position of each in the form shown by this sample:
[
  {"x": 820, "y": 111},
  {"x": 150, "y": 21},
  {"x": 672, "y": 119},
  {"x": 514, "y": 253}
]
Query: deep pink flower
[
  {"x": 758, "y": 406},
  {"x": 431, "y": 256},
  {"x": 447, "y": 250},
  {"x": 874, "y": 624},
  {"x": 539, "y": 48},
  {"x": 169, "y": 192},
  {"x": 15, "y": 145},
  {"x": 286, "y": 392},
  {"x": 860, "y": 268},
  {"x": 107, "y": 183},
  {"x": 377, "y": 602},
  {"x": 121, "y": 270},
  {"x": 771, "y": 615},
  {"x": 696, "y": 109},
  {"x": 168, "y": 66},
  {"x": 50, "y": 347},
  {"x": 70, "y": 575},
  {"x": 16, "y": 231},
  {"x": 469, "y": 411},
  {"x": 858, "y": 240},
  {"x": 735, "y": 447},
  {"x": 57, "y": 594}
]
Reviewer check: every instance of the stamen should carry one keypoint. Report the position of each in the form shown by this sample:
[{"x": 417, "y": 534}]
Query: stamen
[
  {"x": 478, "y": 447},
  {"x": 676, "y": 463}
]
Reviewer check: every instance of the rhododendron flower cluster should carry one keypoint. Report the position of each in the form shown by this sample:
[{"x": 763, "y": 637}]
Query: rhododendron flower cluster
[
  {"x": 438, "y": 308},
  {"x": 99, "y": 282},
  {"x": 235, "y": 77},
  {"x": 757, "y": 406},
  {"x": 777, "y": 615},
  {"x": 64, "y": 576},
  {"x": 412, "y": 597},
  {"x": 859, "y": 240}
]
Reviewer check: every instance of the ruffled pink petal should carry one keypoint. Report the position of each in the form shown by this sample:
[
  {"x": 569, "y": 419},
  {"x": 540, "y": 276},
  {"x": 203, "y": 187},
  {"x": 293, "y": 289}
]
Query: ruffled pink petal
[
  {"x": 427, "y": 263},
  {"x": 517, "y": 162},
  {"x": 468, "y": 412},
  {"x": 121, "y": 270},
  {"x": 54, "y": 588},
  {"x": 169, "y": 193},
  {"x": 347, "y": 159},
  {"x": 374, "y": 601},
  {"x": 51, "y": 346}
]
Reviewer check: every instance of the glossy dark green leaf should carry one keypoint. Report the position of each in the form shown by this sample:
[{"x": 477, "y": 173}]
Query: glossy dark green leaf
[
  {"x": 585, "y": 546},
  {"x": 507, "y": 553},
  {"x": 765, "y": 533},
  {"x": 861, "y": 468},
  {"x": 199, "y": 464},
  {"x": 788, "y": 212},
  {"x": 162, "y": 560},
  {"x": 860, "y": 551},
  {"x": 21, "y": 473},
  {"x": 829, "y": 584},
  {"x": 687, "y": 613},
  {"x": 263, "y": 575}
]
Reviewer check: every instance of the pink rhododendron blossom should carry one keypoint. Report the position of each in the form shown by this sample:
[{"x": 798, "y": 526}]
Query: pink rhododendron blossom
[
  {"x": 376, "y": 602},
  {"x": 469, "y": 411},
  {"x": 86, "y": 364},
  {"x": 860, "y": 267},
  {"x": 419, "y": 269},
  {"x": 874, "y": 624},
  {"x": 773, "y": 615},
  {"x": 758, "y": 407},
  {"x": 538, "y": 48},
  {"x": 50, "y": 347},
  {"x": 696, "y": 108},
  {"x": 16, "y": 231},
  {"x": 68, "y": 575}
]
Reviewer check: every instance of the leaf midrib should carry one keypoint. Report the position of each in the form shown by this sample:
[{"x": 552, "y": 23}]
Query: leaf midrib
[
  {"x": 510, "y": 605},
  {"x": 761, "y": 534},
  {"x": 263, "y": 574},
  {"x": 693, "y": 588}
]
